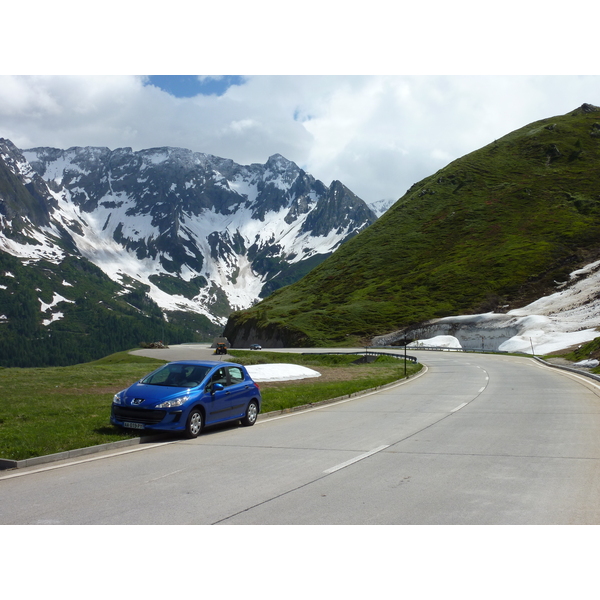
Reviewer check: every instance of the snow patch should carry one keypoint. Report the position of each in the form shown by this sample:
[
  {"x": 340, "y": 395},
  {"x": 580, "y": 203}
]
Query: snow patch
[
  {"x": 55, "y": 317},
  {"x": 589, "y": 364},
  {"x": 55, "y": 300},
  {"x": 439, "y": 341},
  {"x": 280, "y": 372}
]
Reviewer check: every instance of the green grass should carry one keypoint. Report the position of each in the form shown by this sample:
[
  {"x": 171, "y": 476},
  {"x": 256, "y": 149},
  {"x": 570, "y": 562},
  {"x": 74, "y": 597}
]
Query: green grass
[{"x": 54, "y": 409}]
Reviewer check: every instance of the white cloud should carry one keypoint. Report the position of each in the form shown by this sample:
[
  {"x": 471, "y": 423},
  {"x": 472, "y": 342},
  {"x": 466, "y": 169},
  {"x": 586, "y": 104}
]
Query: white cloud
[
  {"x": 376, "y": 134},
  {"x": 243, "y": 125}
]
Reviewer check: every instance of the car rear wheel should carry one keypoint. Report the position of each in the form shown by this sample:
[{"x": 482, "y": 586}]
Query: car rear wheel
[
  {"x": 251, "y": 414},
  {"x": 194, "y": 424}
]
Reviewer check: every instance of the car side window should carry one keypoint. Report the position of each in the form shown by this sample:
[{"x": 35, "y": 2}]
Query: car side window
[
  {"x": 219, "y": 376},
  {"x": 236, "y": 375}
]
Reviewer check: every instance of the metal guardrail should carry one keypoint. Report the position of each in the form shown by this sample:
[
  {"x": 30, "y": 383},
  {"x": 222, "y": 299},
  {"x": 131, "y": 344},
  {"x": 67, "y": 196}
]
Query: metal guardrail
[
  {"x": 570, "y": 369},
  {"x": 471, "y": 350},
  {"x": 370, "y": 352},
  {"x": 468, "y": 350}
]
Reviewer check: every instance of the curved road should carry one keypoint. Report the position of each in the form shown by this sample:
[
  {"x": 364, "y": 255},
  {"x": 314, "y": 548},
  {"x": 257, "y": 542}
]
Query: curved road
[{"x": 477, "y": 439}]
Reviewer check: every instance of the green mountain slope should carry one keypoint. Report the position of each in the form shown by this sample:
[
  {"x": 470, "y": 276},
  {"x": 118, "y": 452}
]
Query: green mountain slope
[
  {"x": 71, "y": 312},
  {"x": 495, "y": 228}
]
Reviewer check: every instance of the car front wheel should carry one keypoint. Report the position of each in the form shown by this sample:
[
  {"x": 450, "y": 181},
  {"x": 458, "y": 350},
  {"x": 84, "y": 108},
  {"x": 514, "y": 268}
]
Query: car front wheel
[
  {"x": 194, "y": 424},
  {"x": 251, "y": 414}
]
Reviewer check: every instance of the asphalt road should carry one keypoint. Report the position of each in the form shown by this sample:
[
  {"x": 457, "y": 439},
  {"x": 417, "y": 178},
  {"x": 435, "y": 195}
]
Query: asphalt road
[
  {"x": 182, "y": 352},
  {"x": 477, "y": 439}
]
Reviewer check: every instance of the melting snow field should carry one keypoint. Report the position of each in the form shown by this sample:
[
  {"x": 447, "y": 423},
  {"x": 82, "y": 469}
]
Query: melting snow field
[
  {"x": 280, "y": 372},
  {"x": 567, "y": 318}
]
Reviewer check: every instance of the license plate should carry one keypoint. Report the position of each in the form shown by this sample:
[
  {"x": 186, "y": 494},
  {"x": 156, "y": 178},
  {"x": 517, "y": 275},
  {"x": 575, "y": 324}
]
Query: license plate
[{"x": 133, "y": 425}]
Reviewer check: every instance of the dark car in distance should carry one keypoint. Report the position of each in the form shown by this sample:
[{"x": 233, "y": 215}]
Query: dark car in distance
[
  {"x": 187, "y": 395},
  {"x": 255, "y": 347}
]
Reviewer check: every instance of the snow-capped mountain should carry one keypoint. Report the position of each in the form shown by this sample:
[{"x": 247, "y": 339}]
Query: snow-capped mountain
[
  {"x": 205, "y": 234},
  {"x": 381, "y": 206}
]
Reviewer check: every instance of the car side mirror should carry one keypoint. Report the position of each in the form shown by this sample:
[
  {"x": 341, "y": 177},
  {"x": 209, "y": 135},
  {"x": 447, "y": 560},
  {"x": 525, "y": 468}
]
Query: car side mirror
[{"x": 217, "y": 387}]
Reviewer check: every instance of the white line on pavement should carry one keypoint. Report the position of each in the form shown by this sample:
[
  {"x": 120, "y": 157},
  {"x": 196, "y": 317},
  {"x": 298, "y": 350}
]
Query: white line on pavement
[
  {"x": 354, "y": 460},
  {"x": 85, "y": 460}
]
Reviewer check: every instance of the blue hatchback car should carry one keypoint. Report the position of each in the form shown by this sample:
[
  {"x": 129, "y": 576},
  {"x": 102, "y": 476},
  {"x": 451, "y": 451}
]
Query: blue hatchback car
[{"x": 187, "y": 395}]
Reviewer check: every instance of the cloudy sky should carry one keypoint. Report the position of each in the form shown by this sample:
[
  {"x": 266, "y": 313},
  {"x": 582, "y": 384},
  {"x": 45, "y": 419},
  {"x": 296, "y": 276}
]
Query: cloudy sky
[{"x": 377, "y": 133}]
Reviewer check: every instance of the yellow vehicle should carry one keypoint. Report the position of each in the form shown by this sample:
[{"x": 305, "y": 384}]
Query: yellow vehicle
[{"x": 221, "y": 349}]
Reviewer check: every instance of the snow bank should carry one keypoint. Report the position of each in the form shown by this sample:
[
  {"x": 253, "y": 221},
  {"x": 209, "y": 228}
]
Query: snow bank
[
  {"x": 569, "y": 317},
  {"x": 280, "y": 372},
  {"x": 590, "y": 363},
  {"x": 439, "y": 341},
  {"x": 542, "y": 335}
]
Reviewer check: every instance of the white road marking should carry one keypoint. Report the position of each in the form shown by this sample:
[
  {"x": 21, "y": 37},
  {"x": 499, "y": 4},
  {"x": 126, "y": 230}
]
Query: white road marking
[
  {"x": 459, "y": 407},
  {"x": 354, "y": 460},
  {"x": 85, "y": 460},
  {"x": 166, "y": 475}
]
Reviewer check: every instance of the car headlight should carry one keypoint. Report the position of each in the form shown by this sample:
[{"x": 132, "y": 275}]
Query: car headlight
[
  {"x": 117, "y": 398},
  {"x": 173, "y": 403}
]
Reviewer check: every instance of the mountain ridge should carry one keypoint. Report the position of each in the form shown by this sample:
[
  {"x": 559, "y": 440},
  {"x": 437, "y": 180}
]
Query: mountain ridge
[{"x": 150, "y": 203}]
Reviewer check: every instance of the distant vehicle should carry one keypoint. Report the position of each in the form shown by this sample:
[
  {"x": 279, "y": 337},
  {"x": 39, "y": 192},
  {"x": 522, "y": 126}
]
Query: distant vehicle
[
  {"x": 255, "y": 347},
  {"x": 221, "y": 349},
  {"x": 187, "y": 395}
]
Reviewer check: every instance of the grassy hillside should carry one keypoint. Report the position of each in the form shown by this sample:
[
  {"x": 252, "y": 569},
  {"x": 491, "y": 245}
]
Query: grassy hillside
[{"x": 495, "y": 228}]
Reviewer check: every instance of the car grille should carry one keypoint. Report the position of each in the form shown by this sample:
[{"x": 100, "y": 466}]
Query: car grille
[{"x": 139, "y": 415}]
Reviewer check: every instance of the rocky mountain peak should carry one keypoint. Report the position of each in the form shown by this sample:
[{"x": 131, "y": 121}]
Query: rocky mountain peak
[
  {"x": 202, "y": 233},
  {"x": 586, "y": 109}
]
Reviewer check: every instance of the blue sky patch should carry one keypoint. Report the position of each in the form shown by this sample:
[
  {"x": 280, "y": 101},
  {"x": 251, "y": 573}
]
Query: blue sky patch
[{"x": 188, "y": 86}]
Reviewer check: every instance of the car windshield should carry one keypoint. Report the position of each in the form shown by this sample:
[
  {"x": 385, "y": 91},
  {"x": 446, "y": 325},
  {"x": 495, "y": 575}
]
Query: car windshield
[{"x": 177, "y": 375}]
